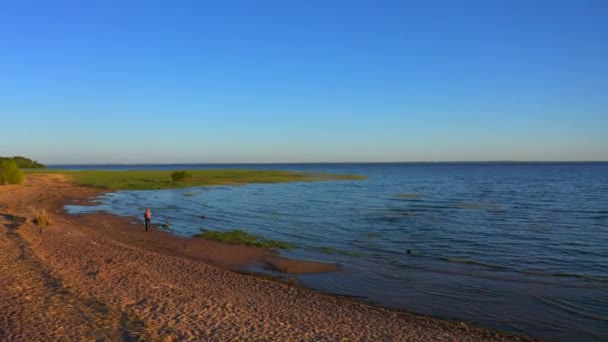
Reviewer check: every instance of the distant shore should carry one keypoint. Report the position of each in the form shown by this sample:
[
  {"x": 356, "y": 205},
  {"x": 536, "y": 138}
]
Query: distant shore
[
  {"x": 167, "y": 179},
  {"x": 99, "y": 276}
]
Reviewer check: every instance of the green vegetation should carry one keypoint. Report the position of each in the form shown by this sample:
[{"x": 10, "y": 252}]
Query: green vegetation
[
  {"x": 24, "y": 163},
  {"x": 181, "y": 176},
  {"x": 10, "y": 173},
  {"x": 42, "y": 218},
  {"x": 241, "y": 237},
  {"x": 154, "y": 180}
]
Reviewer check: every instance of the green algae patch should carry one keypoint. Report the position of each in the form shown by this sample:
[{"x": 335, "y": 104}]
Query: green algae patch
[{"x": 240, "y": 237}]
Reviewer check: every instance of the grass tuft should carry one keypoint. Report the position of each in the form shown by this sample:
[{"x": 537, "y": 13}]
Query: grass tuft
[{"x": 42, "y": 218}]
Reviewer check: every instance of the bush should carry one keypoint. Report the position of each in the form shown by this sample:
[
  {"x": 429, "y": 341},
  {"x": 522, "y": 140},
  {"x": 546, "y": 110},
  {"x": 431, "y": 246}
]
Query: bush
[
  {"x": 10, "y": 173},
  {"x": 42, "y": 218},
  {"x": 180, "y": 176}
]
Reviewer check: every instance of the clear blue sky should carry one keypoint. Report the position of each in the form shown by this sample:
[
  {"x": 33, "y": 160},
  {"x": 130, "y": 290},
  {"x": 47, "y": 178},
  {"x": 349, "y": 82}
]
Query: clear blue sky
[{"x": 301, "y": 81}]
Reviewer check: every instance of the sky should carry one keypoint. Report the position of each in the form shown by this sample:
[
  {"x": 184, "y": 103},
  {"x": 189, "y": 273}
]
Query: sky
[{"x": 303, "y": 81}]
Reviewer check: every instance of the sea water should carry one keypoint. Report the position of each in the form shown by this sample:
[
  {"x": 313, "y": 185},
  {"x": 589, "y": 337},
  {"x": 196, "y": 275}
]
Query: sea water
[{"x": 515, "y": 246}]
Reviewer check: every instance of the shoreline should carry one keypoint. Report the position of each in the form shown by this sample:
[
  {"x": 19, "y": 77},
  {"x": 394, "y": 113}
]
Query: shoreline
[
  {"x": 156, "y": 285},
  {"x": 229, "y": 256}
]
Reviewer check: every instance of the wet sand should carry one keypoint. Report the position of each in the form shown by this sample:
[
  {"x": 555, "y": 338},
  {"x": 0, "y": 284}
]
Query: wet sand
[{"x": 97, "y": 276}]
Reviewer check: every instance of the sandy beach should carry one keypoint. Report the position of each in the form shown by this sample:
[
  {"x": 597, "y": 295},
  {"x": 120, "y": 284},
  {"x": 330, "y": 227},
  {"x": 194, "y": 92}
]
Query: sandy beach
[{"x": 101, "y": 277}]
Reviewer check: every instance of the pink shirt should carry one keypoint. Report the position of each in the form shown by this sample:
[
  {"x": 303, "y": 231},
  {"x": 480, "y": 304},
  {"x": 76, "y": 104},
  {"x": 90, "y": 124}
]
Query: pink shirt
[{"x": 148, "y": 214}]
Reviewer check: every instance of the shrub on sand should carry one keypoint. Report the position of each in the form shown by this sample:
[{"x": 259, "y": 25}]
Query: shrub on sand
[
  {"x": 10, "y": 173},
  {"x": 181, "y": 176},
  {"x": 42, "y": 218}
]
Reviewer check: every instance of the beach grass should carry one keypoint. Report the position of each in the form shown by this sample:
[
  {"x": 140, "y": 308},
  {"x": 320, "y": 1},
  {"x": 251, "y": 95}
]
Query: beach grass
[
  {"x": 162, "y": 179},
  {"x": 241, "y": 237},
  {"x": 42, "y": 218}
]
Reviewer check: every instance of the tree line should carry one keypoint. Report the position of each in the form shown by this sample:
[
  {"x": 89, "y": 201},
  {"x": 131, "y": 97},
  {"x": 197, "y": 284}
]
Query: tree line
[{"x": 23, "y": 162}]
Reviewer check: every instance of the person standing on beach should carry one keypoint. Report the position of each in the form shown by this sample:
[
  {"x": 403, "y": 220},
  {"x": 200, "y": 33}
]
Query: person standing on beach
[{"x": 147, "y": 218}]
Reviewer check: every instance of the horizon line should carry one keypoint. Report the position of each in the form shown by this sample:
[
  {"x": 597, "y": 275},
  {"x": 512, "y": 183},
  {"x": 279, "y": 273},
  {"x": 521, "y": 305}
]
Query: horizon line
[{"x": 348, "y": 162}]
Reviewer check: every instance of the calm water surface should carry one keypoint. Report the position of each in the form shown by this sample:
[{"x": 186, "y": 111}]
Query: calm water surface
[{"x": 519, "y": 247}]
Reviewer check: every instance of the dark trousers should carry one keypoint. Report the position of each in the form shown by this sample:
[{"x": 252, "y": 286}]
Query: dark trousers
[{"x": 147, "y": 223}]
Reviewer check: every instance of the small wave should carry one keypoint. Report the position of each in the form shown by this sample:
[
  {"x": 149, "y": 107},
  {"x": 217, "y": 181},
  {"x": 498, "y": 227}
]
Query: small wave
[
  {"x": 579, "y": 276},
  {"x": 373, "y": 234},
  {"x": 332, "y": 251},
  {"x": 407, "y": 195},
  {"x": 573, "y": 308},
  {"x": 504, "y": 277},
  {"x": 476, "y": 205},
  {"x": 565, "y": 275},
  {"x": 474, "y": 262},
  {"x": 386, "y": 219},
  {"x": 400, "y": 211},
  {"x": 577, "y": 211},
  {"x": 432, "y": 206}
]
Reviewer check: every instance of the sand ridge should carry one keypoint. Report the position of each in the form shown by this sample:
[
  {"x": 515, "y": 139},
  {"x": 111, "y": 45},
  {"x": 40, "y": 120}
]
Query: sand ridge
[{"x": 99, "y": 277}]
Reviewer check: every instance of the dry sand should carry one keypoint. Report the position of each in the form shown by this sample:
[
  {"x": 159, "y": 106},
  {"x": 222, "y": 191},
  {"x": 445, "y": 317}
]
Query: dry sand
[{"x": 98, "y": 277}]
